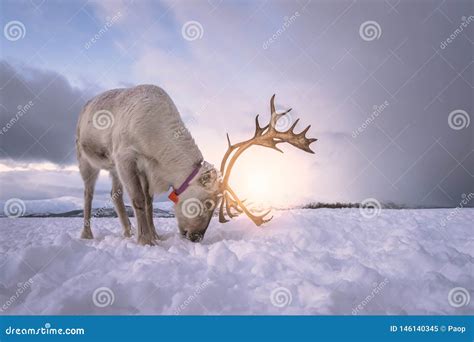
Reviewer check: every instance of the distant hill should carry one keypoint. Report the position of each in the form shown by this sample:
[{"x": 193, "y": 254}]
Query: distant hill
[
  {"x": 338, "y": 205},
  {"x": 101, "y": 212},
  {"x": 67, "y": 206}
]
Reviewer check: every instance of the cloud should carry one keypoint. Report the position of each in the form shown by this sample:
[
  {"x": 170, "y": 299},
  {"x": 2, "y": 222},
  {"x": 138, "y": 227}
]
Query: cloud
[{"x": 38, "y": 115}]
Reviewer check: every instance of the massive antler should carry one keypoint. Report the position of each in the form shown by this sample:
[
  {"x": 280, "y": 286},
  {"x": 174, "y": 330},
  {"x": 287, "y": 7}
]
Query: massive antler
[{"x": 266, "y": 136}]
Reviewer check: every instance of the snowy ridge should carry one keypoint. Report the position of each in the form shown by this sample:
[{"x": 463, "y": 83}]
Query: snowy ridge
[
  {"x": 68, "y": 206},
  {"x": 303, "y": 262},
  {"x": 53, "y": 205}
]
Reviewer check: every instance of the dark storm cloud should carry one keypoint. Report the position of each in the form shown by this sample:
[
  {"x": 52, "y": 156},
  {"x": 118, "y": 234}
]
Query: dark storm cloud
[{"x": 38, "y": 115}]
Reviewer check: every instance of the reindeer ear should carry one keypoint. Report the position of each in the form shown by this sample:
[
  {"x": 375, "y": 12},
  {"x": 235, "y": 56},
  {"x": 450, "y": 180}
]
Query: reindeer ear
[{"x": 208, "y": 178}]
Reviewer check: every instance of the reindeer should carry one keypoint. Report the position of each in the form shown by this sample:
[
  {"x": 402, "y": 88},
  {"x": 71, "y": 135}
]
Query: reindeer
[{"x": 138, "y": 136}]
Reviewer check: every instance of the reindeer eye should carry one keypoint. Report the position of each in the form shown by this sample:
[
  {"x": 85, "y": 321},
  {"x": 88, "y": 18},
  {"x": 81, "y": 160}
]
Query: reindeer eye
[
  {"x": 209, "y": 204},
  {"x": 204, "y": 179}
]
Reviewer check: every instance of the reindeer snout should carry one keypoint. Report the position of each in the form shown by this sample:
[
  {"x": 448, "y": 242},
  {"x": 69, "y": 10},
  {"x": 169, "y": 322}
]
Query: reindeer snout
[{"x": 195, "y": 237}]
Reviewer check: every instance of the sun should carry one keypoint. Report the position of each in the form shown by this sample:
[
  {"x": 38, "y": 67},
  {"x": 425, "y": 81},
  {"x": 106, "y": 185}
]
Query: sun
[{"x": 258, "y": 187}]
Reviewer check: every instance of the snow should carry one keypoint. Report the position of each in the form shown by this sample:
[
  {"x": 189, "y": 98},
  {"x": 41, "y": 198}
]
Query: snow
[{"x": 326, "y": 261}]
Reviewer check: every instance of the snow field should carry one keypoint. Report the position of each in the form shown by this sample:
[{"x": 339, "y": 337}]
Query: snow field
[{"x": 326, "y": 261}]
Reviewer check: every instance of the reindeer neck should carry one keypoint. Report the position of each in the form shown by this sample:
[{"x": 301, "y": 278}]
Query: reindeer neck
[{"x": 184, "y": 161}]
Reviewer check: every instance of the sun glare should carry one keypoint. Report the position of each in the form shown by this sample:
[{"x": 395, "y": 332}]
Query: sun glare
[
  {"x": 266, "y": 178},
  {"x": 258, "y": 186}
]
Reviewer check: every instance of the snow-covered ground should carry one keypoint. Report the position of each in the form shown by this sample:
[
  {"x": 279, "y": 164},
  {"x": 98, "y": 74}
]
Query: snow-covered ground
[{"x": 327, "y": 261}]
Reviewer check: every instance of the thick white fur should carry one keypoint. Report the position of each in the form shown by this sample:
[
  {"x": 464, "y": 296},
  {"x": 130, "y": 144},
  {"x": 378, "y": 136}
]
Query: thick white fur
[{"x": 147, "y": 149}]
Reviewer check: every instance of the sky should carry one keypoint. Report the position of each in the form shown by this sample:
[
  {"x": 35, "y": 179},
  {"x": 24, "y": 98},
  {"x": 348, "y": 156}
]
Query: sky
[{"x": 387, "y": 87}]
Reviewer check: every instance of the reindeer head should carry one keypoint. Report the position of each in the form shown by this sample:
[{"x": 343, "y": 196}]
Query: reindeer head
[
  {"x": 196, "y": 205},
  {"x": 267, "y": 136}
]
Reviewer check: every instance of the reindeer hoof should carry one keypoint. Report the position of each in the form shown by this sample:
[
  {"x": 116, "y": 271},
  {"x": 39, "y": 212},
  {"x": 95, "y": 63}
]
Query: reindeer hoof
[
  {"x": 86, "y": 234},
  {"x": 156, "y": 236},
  {"x": 127, "y": 233},
  {"x": 146, "y": 241}
]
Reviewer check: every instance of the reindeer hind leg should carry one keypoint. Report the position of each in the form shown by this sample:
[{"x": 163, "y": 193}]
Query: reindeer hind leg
[
  {"x": 89, "y": 175},
  {"x": 117, "y": 198}
]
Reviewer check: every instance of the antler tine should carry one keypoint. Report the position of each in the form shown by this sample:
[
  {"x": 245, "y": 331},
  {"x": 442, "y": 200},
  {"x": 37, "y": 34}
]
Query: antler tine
[
  {"x": 303, "y": 132},
  {"x": 272, "y": 104},
  {"x": 274, "y": 115},
  {"x": 234, "y": 205},
  {"x": 257, "y": 219},
  {"x": 228, "y": 203},
  {"x": 228, "y": 207},
  {"x": 293, "y": 126},
  {"x": 259, "y": 130},
  {"x": 222, "y": 218},
  {"x": 298, "y": 140}
]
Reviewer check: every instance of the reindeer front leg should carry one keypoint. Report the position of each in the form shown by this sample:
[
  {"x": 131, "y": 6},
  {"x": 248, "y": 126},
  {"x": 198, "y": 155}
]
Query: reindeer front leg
[
  {"x": 148, "y": 205},
  {"x": 128, "y": 171}
]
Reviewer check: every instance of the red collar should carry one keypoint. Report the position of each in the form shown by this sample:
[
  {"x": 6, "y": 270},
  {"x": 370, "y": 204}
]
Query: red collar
[{"x": 174, "y": 195}]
